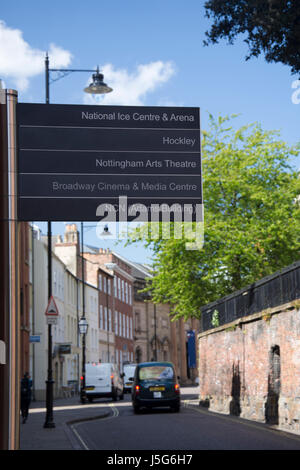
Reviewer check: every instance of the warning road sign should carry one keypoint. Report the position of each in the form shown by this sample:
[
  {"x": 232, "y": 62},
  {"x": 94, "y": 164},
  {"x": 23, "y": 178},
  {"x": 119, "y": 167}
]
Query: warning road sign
[{"x": 52, "y": 309}]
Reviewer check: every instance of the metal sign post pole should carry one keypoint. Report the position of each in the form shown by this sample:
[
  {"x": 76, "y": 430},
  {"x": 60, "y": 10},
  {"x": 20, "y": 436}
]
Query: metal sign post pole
[
  {"x": 9, "y": 314},
  {"x": 49, "y": 423}
]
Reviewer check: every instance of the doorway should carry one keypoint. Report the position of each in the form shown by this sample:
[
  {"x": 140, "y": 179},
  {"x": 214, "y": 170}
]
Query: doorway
[{"x": 274, "y": 385}]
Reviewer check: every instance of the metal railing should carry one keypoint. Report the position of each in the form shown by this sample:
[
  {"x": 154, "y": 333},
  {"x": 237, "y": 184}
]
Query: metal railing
[{"x": 271, "y": 291}]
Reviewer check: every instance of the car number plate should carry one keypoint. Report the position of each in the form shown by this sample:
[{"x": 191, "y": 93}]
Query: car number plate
[
  {"x": 128, "y": 385},
  {"x": 157, "y": 389},
  {"x": 89, "y": 388},
  {"x": 157, "y": 394}
]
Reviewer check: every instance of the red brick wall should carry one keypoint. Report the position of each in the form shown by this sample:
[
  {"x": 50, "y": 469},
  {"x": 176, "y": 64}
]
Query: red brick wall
[{"x": 237, "y": 371}]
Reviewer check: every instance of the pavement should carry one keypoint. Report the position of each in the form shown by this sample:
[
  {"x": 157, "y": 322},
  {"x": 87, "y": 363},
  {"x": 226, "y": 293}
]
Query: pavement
[{"x": 66, "y": 412}]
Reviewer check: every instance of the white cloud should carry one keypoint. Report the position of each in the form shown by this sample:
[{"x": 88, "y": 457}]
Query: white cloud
[
  {"x": 19, "y": 61},
  {"x": 132, "y": 88}
]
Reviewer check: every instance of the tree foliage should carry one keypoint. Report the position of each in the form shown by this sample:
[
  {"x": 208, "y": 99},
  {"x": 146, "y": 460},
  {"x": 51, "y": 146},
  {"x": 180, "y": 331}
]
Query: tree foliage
[
  {"x": 271, "y": 27},
  {"x": 252, "y": 220}
]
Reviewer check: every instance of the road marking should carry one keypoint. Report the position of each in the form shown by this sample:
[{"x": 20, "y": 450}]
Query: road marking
[
  {"x": 115, "y": 413},
  {"x": 79, "y": 438}
]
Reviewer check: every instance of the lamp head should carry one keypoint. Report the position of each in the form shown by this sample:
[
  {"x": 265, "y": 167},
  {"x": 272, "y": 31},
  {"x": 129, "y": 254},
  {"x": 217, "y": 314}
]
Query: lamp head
[
  {"x": 97, "y": 87},
  {"x": 83, "y": 326}
]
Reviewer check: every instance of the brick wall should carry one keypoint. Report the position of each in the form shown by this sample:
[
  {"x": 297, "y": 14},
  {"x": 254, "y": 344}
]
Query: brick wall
[{"x": 251, "y": 367}]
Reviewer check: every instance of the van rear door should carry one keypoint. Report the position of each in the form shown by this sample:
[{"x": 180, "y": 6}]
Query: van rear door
[{"x": 98, "y": 378}]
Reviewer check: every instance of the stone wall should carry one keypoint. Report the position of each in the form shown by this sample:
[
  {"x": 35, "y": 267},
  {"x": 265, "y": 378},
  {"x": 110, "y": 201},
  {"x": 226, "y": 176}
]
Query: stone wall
[{"x": 251, "y": 367}]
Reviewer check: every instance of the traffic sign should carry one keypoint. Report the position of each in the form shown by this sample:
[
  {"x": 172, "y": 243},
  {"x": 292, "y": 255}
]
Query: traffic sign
[
  {"x": 51, "y": 320},
  {"x": 74, "y": 158},
  {"x": 52, "y": 310},
  {"x": 34, "y": 338}
]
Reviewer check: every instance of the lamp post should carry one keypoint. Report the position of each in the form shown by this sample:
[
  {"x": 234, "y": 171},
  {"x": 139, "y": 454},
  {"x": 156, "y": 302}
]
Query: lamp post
[
  {"x": 96, "y": 87},
  {"x": 155, "y": 337},
  {"x": 83, "y": 327}
]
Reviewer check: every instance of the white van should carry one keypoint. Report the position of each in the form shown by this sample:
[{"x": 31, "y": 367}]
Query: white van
[
  {"x": 129, "y": 370},
  {"x": 103, "y": 380}
]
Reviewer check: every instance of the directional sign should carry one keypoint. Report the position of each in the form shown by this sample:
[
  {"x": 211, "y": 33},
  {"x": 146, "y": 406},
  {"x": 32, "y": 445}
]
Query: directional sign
[
  {"x": 52, "y": 309},
  {"x": 74, "y": 158},
  {"x": 34, "y": 338}
]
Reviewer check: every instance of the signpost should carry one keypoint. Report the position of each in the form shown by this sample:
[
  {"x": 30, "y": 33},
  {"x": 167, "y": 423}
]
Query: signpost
[
  {"x": 73, "y": 158},
  {"x": 51, "y": 312},
  {"x": 34, "y": 338}
]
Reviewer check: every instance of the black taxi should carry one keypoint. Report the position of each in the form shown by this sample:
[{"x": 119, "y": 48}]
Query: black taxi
[{"x": 155, "y": 385}]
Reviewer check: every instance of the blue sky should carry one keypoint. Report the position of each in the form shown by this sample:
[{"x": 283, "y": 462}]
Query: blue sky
[{"x": 151, "y": 53}]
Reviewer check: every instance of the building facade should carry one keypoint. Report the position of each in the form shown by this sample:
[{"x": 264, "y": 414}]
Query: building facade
[
  {"x": 115, "y": 284},
  {"x": 159, "y": 338}
]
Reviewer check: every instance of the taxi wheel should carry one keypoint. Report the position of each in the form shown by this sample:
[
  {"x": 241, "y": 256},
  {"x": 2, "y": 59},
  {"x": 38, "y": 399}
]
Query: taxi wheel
[{"x": 175, "y": 408}]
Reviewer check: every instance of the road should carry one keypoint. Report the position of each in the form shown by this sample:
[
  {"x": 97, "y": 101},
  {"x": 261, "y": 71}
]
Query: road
[{"x": 194, "y": 428}]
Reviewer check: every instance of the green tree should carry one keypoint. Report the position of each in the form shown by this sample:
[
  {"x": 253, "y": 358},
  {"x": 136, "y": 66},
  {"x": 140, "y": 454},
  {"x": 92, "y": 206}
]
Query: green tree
[
  {"x": 252, "y": 220},
  {"x": 271, "y": 27}
]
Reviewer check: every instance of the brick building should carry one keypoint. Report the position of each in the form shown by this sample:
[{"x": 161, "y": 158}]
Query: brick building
[
  {"x": 107, "y": 347},
  {"x": 121, "y": 319}
]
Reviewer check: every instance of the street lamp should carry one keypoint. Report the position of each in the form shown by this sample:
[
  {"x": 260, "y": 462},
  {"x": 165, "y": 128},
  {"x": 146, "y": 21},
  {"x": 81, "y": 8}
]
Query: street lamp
[
  {"x": 96, "y": 87},
  {"x": 83, "y": 327}
]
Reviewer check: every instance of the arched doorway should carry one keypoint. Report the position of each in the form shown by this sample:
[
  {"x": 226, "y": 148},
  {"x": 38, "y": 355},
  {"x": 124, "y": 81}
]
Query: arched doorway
[{"x": 274, "y": 385}]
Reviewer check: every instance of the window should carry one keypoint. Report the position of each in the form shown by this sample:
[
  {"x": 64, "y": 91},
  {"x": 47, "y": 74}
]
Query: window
[
  {"x": 130, "y": 299},
  {"x": 100, "y": 281},
  {"x": 115, "y": 287},
  {"x": 120, "y": 323},
  {"x": 108, "y": 287},
  {"x": 119, "y": 288},
  {"x": 124, "y": 326},
  {"x": 54, "y": 283},
  {"x": 104, "y": 285},
  {"x": 105, "y": 318},
  {"x": 109, "y": 320},
  {"x": 101, "y": 317},
  {"x": 131, "y": 332},
  {"x": 126, "y": 292},
  {"x": 156, "y": 372},
  {"x": 138, "y": 321},
  {"x": 116, "y": 323},
  {"x": 123, "y": 298}
]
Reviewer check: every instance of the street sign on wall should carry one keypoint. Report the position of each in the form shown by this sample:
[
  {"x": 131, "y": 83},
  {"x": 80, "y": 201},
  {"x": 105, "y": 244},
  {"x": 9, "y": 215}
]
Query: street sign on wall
[{"x": 72, "y": 158}]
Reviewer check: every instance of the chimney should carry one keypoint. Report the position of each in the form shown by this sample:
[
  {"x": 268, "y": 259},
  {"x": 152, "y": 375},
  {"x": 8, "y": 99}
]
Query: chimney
[{"x": 71, "y": 234}]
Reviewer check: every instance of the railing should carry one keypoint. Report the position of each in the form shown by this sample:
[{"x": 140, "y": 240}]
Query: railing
[{"x": 271, "y": 291}]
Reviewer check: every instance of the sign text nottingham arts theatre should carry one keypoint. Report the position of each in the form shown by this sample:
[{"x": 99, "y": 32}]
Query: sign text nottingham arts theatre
[{"x": 73, "y": 158}]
